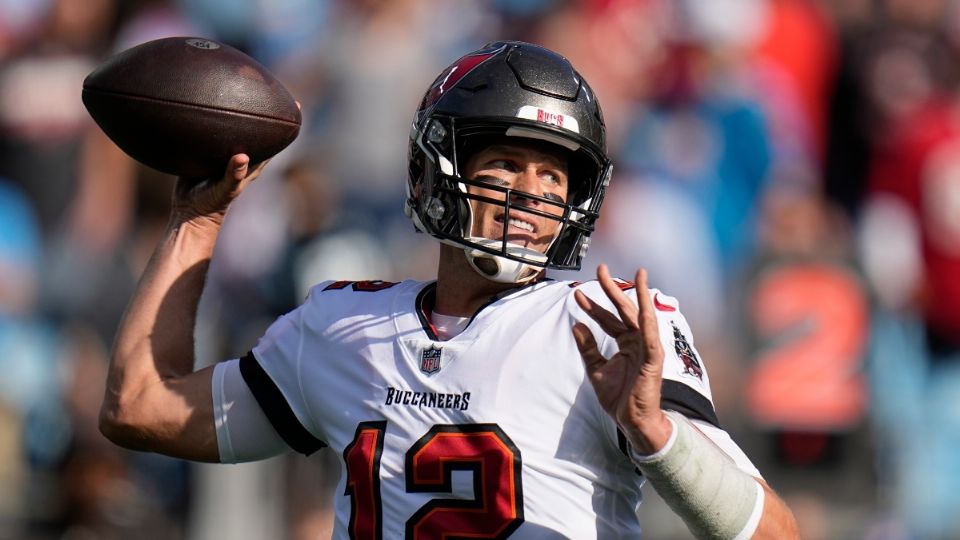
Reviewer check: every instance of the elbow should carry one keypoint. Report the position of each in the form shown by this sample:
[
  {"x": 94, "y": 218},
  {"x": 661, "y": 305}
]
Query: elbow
[
  {"x": 117, "y": 425},
  {"x": 110, "y": 425}
]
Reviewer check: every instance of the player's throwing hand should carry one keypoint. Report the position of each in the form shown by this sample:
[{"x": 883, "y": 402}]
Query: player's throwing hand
[
  {"x": 628, "y": 384},
  {"x": 210, "y": 198}
]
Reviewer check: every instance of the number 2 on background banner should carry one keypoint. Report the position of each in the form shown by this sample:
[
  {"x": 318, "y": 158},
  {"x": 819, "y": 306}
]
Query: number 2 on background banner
[{"x": 815, "y": 317}]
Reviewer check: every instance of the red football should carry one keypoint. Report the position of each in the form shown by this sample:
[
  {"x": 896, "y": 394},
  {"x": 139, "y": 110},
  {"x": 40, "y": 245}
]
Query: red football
[{"x": 185, "y": 105}]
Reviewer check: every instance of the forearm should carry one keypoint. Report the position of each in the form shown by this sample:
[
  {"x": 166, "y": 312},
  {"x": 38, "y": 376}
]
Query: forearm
[
  {"x": 714, "y": 497},
  {"x": 154, "y": 345},
  {"x": 777, "y": 520},
  {"x": 160, "y": 319}
]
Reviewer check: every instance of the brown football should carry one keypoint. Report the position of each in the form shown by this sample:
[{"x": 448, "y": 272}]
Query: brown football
[{"x": 185, "y": 105}]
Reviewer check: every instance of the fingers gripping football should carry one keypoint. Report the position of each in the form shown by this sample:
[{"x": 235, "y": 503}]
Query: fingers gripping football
[
  {"x": 210, "y": 198},
  {"x": 627, "y": 384}
]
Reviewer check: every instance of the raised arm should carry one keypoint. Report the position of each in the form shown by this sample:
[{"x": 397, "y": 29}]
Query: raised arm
[
  {"x": 697, "y": 480},
  {"x": 154, "y": 400}
]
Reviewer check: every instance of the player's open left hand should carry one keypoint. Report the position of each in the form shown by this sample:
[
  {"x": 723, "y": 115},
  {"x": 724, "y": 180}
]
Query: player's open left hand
[
  {"x": 628, "y": 384},
  {"x": 210, "y": 198}
]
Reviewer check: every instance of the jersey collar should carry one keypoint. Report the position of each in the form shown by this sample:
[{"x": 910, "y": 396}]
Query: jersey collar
[{"x": 427, "y": 299}]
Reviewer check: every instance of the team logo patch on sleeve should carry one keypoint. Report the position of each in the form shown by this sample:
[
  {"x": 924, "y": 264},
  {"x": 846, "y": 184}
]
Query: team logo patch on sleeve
[
  {"x": 430, "y": 360},
  {"x": 691, "y": 364}
]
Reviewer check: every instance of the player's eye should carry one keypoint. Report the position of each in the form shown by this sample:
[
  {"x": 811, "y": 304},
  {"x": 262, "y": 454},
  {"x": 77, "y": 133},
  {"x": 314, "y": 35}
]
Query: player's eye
[
  {"x": 551, "y": 176},
  {"x": 554, "y": 181}
]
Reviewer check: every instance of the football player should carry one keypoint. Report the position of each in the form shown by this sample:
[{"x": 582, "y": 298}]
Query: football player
[{"x": 491, "y": 402}]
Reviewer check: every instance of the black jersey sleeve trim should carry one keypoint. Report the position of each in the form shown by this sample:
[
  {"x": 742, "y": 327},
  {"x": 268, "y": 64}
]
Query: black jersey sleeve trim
[
  {"x": 679, "y": 397},
  {"x": 276, "y": 408}
]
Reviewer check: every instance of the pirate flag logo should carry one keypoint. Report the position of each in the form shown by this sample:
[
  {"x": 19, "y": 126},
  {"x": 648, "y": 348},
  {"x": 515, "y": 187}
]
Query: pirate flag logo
[
  {"x": 430, "y": 360},
  {"x": 450, "y": 76},
  {"x": 691, "y": 364}
]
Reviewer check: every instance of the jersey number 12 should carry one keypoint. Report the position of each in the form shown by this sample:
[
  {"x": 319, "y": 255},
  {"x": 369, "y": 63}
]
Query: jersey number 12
[{"x": 484, "y": 449}]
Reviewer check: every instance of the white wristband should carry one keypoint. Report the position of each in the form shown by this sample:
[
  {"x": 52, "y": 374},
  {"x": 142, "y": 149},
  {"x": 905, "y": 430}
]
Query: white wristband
[{"x": 702, "y": 485}]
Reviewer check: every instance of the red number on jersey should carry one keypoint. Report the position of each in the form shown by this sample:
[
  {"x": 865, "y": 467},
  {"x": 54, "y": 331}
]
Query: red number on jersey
[
  {"x": 337, "y": 285},
  {"x": 362, "y": 457},
  {"x": 485, "y": 449},
  {"x": 496, "y": 509},
  {"x": 373, "y": 286},
  {"x": 365, "y": 286}
]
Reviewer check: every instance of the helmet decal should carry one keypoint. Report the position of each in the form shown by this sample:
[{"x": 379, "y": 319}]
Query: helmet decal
[
  {"x": 549, "y": 117},
  {"x": 450, "y": 76}
]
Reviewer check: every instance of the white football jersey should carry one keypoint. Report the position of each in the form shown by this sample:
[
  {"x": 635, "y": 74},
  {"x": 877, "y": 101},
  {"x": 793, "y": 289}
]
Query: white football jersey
[{"x": 493, "y": 433}]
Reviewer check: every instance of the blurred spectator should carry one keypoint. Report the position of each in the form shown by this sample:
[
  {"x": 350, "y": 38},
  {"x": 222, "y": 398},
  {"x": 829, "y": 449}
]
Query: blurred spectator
[
  {"x": 271, "y": 30},
  {"x": 891, "y": 165},
  {"x": 708, "y": 135},
  {"x": 41, "y": 116},
  {"x": 375, "y": 60},
  {"x": 914, "y": 177},
  {"x": 88, "y": 269},
  {"x": 60, "y": 475},
  {"x": 619, "y": 44},
  {"x": 145, "y": 20},
  {"x": 18, "y": 22},
  {"x": 895, "y": 60},
  {"x": 807, "y": 322},
  {"x": 794, "y": 59},
  {"x": 37, "y": 433},
  {"x": 808, "y": 319},
  {"x": 919, "y": 163}
]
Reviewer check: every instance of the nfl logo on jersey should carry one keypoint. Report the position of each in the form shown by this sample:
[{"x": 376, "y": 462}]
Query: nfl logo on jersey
[{"x": 430, "y": 360}]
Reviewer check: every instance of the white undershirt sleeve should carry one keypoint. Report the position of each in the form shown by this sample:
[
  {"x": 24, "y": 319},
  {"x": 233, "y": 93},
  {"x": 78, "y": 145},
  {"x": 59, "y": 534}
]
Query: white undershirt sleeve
[{"x": 243, "y": 432}]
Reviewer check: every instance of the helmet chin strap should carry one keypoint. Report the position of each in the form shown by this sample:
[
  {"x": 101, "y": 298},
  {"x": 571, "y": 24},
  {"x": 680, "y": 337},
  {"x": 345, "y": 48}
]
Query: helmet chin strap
[
  {"x": 501, "y": 269},
  {"x": 497, "y": 268}
]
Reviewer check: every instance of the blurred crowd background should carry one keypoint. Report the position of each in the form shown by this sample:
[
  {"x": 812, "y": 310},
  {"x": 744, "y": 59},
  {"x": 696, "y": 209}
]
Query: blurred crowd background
[{"x": 788, "y": 169}]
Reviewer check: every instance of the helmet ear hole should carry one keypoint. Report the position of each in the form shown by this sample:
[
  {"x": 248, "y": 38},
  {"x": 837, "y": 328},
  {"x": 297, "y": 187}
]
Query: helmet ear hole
[{"x": 487, "y": 265}]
